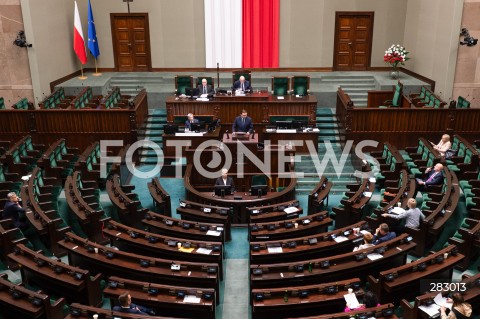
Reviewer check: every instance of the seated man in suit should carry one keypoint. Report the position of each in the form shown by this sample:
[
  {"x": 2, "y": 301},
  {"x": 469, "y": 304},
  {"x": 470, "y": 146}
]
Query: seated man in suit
[
  {"x": 225, "y": 180},
  {"x": 242, "y": 85},
  {"x": 383, "y": 234},
  {"x": 433, "y": 177},
  {"x": 126, "y": 306},
  {"x": 243, "y": 123},
  {"x": 190, "y": 119},
  {"x": 205, "y": 88},
  {"x": 14, "y": 210}
]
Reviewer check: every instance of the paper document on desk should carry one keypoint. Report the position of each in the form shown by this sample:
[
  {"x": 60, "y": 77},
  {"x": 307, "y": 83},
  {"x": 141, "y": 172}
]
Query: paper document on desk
[
  {"x": 367, "y": 194},
  {"x": 351, "y": 300},
  {"x": 213, "y": 233},
  {"x": 442, "y": 301},
  {"x": 204, "y": 251},
  {"x": 339, "y": 239},
  {"x": 290, "y": 210},
  {"x": 432, "y": 311},
  {"x": 397, "y": 210},
  {"x": 275, "y": 250},
  {"x": 203, "y": 99},
  {"x": 192, "y": 299},
  {"x": 374, "y": 256},
  {"x": 280, "y": 98}
]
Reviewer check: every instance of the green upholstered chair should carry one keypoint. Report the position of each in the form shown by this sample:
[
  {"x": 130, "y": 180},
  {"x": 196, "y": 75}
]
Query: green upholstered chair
[
  {"x": 301, "y": 85},
  {"x": 259, "y": 180},
  {"x": 2, "y": 103},
  {"x": 462, "y": 103},
  {"x": 21, "y": 105},
  {"x": 182, "y": 82},
  {"x": 426, "y": 99},
  {"x": 236, "y": 74},
  {"x": 420, "y": 95},
  {"x": 397, "y": 97},
  {"x": 280, "y": 85},
  {"x": 210, "y": 81}
]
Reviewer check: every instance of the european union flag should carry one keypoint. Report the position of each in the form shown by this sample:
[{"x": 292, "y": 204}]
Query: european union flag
[{"x": 92, "y": 33}]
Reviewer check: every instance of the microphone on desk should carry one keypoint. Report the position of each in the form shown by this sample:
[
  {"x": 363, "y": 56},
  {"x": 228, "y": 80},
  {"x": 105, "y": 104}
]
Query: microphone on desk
[{"x": 228, "y": 136}]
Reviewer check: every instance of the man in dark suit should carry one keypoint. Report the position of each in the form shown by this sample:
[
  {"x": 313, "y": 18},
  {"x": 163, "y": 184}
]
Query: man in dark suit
[
  {"x": 383, "y": 234},
  {"x": 243, "y": 123},
  {"x": 14, "y": 210},
  {"x": 433, "y": 177},
  {"x": 242, "y": 85},
  {"x": 205, "y": 88},
  {"x": 225, "y": 180},
  {"x": 126, "y": 306},
  {"x": 190, "y": 119}
]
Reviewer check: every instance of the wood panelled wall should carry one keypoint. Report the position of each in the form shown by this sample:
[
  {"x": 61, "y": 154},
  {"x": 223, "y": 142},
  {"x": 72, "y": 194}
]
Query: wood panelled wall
[
  {"x": 78, "y": 127},
  {"x": 403, "y": 126}
]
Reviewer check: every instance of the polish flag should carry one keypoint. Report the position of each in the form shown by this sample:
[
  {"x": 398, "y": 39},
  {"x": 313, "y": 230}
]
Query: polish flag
[{"x": 78, "y": 42}]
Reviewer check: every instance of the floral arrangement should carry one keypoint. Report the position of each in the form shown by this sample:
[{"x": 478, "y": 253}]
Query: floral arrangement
[{"x": 395, "y": 55}]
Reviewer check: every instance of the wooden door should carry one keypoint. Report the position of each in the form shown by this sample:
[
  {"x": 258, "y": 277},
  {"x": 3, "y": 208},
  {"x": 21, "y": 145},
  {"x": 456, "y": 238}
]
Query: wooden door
[
  {"x": 353, "y": 41},
  {"x": 131, "y": 41}
]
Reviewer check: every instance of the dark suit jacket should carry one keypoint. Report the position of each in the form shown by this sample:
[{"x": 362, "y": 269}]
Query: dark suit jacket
[
  {"x": 230, "y": 182},
  {"x": 237, "y": 85},
  {"x": 133, "y": 308},
  {"x": 437, "y": 179},
  {"x": 187, "y": 123},
  {"x": 16, "y": 213},
  {"x": 238, "y": 125},
  {"x": 388, "y": 236},
  {"x": 209, "y": 89}
]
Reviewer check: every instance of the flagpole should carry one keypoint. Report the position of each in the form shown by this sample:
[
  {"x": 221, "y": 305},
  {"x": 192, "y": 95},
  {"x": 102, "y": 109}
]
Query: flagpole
[
  {"x": 82, "y": 77},
  {"x": 96, "y": 69}
]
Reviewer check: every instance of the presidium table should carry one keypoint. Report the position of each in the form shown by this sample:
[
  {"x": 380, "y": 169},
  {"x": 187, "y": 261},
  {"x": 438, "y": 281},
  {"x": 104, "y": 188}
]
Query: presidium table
[{"x": 260, "y": 106}]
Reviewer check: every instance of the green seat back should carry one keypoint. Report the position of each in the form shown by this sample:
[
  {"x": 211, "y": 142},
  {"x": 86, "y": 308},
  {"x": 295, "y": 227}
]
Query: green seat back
[
  {"x": 53, "y": 161},
  {"x": 462, "y": 103},
  {"x": 182, "y": 82},
  {"x": 28, "y": 143},
  {"x": 397, "y": 95},
  {"x": 259, "y": 180},
  {"x": 461, "y": 150},
  {"x": 422, "y": 92},
  {"x": 88, "y": 163},
  {"x": 2, "y": 175},
  {"x": 428, "y": 95},
  {"x": 22, "y": 104},
  {"x": 246, "y": 73},
  {"x": 300, "y": 85},
  {"x": 468, "y": 156},
  {"x": 280, "y": 85},
  {"x": 2, "y": 103},
  {"x": 16, "y": 157},
  {"x": 23, "y": 150},
  {"x": 455, "y": 143}
]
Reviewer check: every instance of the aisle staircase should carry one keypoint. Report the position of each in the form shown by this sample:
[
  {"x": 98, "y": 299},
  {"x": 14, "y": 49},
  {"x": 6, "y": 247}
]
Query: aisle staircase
[
  {"x": 152, "y": 131},
  {"x": 356, "y": 86},
  {"x": 132, "y": 83},
  {"x": 330, "y": 141}
]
